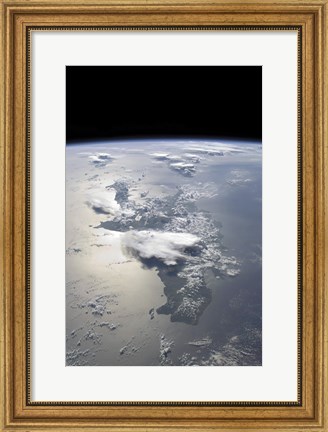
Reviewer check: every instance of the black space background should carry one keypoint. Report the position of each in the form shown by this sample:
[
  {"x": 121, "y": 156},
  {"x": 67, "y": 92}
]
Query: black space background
[{"x": 163, "y": 101}]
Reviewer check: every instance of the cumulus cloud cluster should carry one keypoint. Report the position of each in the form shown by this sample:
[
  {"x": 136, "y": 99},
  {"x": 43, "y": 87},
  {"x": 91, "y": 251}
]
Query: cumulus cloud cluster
[
  {"x": 104, "y": 203},
  {"x": 239, "y": 178},
  {"x": 160, "y": 156},
  {"x": 193, "y": 152},
  {"x": 187, "y": 169},
  {"x": 184, "y": 166},
  {"x": 100, "y": 159},
  {"x": 192, "y": 157},
  {"x": 215, "y": 148},
  {"x": 168, "y": 247}
]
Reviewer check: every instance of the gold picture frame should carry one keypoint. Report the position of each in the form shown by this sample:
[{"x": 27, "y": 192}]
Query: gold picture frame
[{"x": 309, "y": 18}]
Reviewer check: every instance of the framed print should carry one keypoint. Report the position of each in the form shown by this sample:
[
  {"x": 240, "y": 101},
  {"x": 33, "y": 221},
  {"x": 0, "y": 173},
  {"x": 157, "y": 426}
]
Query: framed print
[{"x": 164, "y": 203}]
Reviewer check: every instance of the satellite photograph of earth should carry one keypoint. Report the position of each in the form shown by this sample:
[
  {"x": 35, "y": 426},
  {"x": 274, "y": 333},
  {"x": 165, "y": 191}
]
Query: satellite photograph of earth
[{"x": 163, "y": 244}]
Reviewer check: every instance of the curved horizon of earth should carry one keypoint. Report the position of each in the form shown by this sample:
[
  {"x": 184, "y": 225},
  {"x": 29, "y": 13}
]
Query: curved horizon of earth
[{"x": 156, "y": 230}]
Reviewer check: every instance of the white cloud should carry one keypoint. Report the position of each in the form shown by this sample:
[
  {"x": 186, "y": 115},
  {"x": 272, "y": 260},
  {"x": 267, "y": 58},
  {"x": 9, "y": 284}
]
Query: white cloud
[
  {"x": 216, "y": 149},
  {"x": 193, "y": 157},
  {"x": 174, "y": 158},
  {"x": 160, "y": 156},
  {"x": 186, "y": 169},
  {"x": 100, "y": 159},
  {"x": 239, "y": 177},
  {"x": 168, "y": 247},
  {"x": 104, "y": 203},
  {"x": 177, "y": 163}
]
